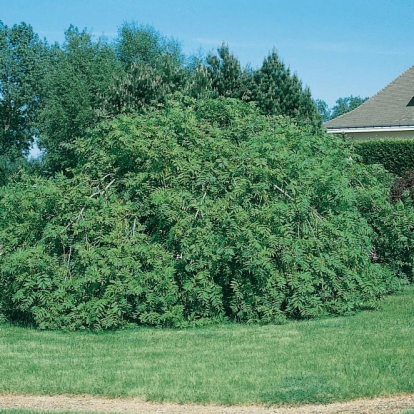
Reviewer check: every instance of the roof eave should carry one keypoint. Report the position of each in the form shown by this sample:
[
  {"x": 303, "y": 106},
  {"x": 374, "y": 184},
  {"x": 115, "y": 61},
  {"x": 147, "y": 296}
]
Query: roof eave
[{"x": 350, "y": 130}]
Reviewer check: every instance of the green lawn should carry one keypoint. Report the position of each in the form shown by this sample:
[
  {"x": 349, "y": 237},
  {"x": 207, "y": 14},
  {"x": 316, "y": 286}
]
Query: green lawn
[
  {"x": 366, "y": 355},
  {"x": 17, "y": 411}
]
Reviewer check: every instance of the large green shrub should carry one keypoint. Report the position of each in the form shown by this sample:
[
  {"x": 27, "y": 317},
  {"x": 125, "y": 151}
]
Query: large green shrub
[
  {"x": 199, "y": 212},
  {"x": 74, "y": 256},
  {"x": 396, "y": 155}
]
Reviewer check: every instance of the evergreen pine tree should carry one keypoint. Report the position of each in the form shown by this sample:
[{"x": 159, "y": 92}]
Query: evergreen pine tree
[
  {"x": 227, "y": 77},
  {"x": 278, "y": 92}
]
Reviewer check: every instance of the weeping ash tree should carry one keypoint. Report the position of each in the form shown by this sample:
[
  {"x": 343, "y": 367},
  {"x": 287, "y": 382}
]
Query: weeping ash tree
[{"x": 202, "y": 211}]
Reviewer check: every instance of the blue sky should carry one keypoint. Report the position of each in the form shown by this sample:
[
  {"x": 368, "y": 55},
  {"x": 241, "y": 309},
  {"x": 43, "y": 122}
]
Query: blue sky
[{"x": 337, "y": 47}]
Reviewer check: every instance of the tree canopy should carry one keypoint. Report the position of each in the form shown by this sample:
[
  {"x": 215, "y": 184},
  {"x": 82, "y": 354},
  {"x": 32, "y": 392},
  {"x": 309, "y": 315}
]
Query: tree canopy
[
  {"x": 342, "y": 106},
  {"x": 22, "y": 67}
]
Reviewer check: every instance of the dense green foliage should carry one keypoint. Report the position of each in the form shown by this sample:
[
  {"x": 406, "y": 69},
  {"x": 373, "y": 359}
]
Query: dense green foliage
[
  {"x": 202, "y": 211},
  {"x": 177, "y": 191},
  {"x": 396, "y": 155}
]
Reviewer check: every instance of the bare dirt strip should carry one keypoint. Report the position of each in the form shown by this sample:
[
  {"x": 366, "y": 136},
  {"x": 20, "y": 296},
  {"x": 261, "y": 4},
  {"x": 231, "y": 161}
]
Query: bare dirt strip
[{"x": 388, "y": 405}]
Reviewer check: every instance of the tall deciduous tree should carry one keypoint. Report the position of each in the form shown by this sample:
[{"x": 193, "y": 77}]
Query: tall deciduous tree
[
  {"x": 153, "y": 68},
  {"x": 138, "y": 43},
  {"x": 80, "y": 73},
  {"x": 344, "y": 105},
  {"x": 323, "y": 110},
  {"x": 22, "y": 66}
]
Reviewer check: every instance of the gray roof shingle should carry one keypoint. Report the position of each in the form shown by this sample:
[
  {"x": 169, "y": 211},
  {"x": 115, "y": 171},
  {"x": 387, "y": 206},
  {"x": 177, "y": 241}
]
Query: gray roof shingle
[{"x": 387, "y": 108}]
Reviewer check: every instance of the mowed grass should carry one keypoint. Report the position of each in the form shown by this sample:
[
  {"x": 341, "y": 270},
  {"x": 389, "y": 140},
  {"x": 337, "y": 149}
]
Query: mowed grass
[
  {"x": 18, "y": 411},
  {"x": 366, "y": 355}
]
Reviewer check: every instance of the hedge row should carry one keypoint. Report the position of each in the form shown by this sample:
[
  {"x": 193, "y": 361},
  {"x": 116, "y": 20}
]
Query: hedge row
[{"x": 396, "y": 155}]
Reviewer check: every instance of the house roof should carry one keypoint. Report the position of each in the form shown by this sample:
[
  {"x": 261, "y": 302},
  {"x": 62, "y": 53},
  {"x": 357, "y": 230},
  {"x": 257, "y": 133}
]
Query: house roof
[{"x": 393, "y": 106}]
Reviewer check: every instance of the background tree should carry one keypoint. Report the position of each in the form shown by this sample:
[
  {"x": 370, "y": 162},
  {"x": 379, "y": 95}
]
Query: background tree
[
  {"x": 153, "y": 68},
  {"x": 278, "y": 92},
  {"x": 90, "y": 80},
  {"x": 138, "y": 43},
  {"x": 272, "y": 87},
  {"x": 323, "y": 110},
  {"x": 198, "y": 79},
  {"x": 344, "y": 105},
  {"x": 228, "y": 79},
  {"x": 23, "y": 60},
  {"x": 79, "y": 75}
]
